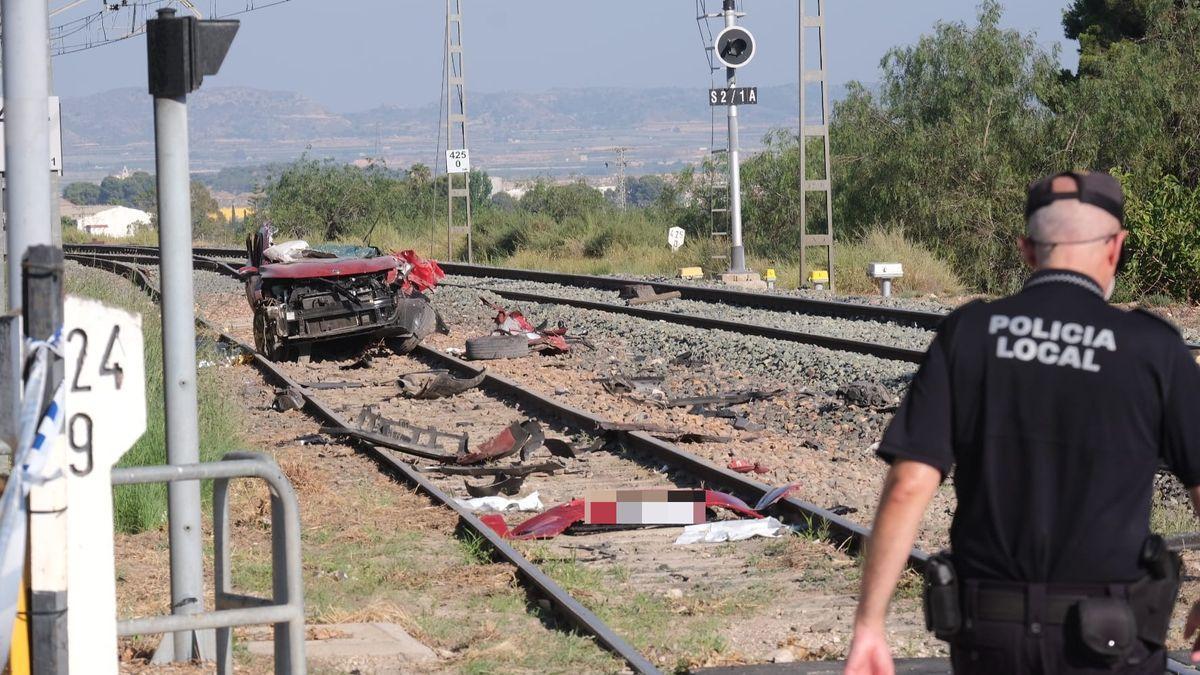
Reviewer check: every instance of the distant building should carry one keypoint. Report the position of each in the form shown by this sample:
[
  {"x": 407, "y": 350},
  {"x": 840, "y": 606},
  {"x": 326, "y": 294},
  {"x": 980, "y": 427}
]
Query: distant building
[{"x": 114, "y": 221}]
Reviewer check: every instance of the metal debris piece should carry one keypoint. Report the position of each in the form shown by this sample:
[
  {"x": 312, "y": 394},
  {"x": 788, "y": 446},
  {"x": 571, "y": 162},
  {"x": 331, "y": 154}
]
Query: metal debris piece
[
  {"x": 743, "y": 423},
  {"x": 641, "y": 294},
  {"x": 691, "y": 437},
  {"x": 424, "y": 442},
  {"x": 313, "y": 439},
  {"x": 512, "y": 440},
  {"x": 639, "y": 384},
  {"x": 431, "y": 384},
  {"x": 537, "y": 438},
  {"x": 551, "y": 523},
  {"x": 867, "y": 394},
  {"x": 320, "y": 386},
  {"x": 842, "y": 510},
  {"x": 705, "y": 411},
  {"x": 775, "y": 495},
  {"x": 504, "y": 484},
  {"x": 510, "y": 470},
  {"x": 724, "y": 400},
  {"x": 543, "y": 338},
  {"x": 746, "y": 466},
  {"x": 713, "y": 498},
  {"x": 390, "y": 442},
  {"x": 560, "y": 448},
  {"x": 287, "y": 399}
]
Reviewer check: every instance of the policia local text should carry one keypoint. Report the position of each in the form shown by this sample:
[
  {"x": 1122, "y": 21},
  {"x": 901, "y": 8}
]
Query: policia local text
[{"x": 1059, "y": 343}]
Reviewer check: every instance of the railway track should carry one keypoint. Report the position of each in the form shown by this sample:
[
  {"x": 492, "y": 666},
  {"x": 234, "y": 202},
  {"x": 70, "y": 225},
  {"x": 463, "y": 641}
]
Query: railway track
[
  {"x": 641, "y": 462},
  {"x": 802, "y": 515}
]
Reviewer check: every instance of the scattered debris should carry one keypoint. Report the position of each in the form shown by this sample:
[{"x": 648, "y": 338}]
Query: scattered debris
[
  {"x": 746, "y": 466},
  {"x": 490, "y": 347},
  {"x": 431, "y": 384},
  {"x": 662, "y": 506},
  {"x": 542, "y": 339},
  {"x": 523, "y": 437},
  {"x": 842, "y": 510},
  {"x": 509, "y": 470},
  {"x": 867, "y": 394},
  {"x": 313, "y": 439},
  {"x": 321, "y": 386},
  {"x": 691, "y": 437},
  {"x": 287, "y": 399},
  {"x": 725, "y": 400},
  {"x": 775, "y": 495},
  {"x": 743, "y": 423},
  {"x": 730, "y": 530},
  {"x": 503, "y": 484},
  {"x": 403, "y": 437},
  {"x": 550, "y": 523},
  {"x": 647, "y": 385},
  {"x": 501, "y": 504},
  {"x": 642, "y": 294}
]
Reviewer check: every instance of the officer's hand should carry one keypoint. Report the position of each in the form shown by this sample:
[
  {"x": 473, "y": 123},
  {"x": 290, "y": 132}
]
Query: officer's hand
[
  {"x": 1193, "y": 622},
  {"x": 869, "y": 653}
]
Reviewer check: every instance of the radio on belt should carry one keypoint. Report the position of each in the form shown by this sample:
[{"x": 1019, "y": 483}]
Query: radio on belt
[{"x": 885, "y": 272}]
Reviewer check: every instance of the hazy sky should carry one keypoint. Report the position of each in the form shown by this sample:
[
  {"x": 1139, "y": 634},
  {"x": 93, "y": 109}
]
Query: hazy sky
[{"x": 356, "y": 54}]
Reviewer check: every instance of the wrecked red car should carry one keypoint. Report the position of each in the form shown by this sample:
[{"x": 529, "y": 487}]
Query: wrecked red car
[{"x": 304, "y": 295}]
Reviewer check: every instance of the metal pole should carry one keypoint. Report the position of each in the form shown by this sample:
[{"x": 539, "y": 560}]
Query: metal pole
[
  {"x": 27, "y": 136},
  {"x": 179, "y": 360},
  {"x": 737, "y": 254},
  {"x": 42, "y": 268}
]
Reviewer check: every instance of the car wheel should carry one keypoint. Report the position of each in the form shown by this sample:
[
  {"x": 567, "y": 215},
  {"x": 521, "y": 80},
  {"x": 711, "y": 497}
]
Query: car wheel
[
  {"x": 403, "y": 345},
  {"x": 488, "y": 347},
  {"x": 265, "y": 340}
]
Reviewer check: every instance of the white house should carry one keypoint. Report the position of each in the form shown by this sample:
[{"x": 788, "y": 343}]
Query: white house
[{"x": 115, "y": 221}]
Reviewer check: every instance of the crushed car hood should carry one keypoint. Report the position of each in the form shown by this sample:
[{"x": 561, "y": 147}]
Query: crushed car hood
[{"x": 328, "y": 267}]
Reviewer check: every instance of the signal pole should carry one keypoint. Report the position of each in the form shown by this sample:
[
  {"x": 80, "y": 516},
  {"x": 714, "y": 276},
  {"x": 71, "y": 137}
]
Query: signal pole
[
  {"x": 737, "y": 252},
  {"x": 622, "y": 197},
  {"x": 457, "y": 155}
]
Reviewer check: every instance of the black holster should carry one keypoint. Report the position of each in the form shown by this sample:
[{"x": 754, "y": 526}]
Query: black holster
[
  {"x": 943, "y": 605},
  {"x": 1153, "y": 596}
]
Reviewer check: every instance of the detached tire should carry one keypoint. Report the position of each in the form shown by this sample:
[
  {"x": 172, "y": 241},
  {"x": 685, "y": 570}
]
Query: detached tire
[{"x": 488, "y": 347}]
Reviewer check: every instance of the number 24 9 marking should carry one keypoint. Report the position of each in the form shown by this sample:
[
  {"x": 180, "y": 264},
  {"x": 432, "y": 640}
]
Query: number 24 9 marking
[{"x": 79, "y": 426}]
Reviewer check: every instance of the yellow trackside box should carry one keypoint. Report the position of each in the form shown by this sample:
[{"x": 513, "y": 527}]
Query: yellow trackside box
[
  {"x": 771, "y": 274},
  {"x": 691, "y": 273},
  {"x": 819, "y": 277}
]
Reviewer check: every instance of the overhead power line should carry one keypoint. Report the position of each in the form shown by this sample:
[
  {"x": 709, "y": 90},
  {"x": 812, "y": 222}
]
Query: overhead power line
[{"x": 119, "y": 20}]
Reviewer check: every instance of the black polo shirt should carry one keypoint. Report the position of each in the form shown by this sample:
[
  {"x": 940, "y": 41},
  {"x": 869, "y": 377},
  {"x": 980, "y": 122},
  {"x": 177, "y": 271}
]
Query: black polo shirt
[{"x": 1056, "y": 409}]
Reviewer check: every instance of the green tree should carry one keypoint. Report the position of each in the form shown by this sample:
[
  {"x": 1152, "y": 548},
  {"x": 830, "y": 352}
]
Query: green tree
[
  {"x": 562, "y": 201},
  {"x": 207, "y": 220},
  {"x": 944, "y": 151},
  {"x": 82, "y": 193}
]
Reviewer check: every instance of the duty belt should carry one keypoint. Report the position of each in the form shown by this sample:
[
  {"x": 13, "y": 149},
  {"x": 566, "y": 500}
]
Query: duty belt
[{"x": 1011, "y": 603}]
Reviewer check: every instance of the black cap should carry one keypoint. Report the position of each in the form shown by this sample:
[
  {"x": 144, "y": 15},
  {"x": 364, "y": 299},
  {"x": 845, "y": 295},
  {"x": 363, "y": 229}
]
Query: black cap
[{"x": 1098, "y": 189}]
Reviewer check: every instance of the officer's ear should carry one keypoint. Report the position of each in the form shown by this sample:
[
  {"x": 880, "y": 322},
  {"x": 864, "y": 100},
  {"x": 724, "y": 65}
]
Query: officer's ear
[{"x": 1028, "y": 250}]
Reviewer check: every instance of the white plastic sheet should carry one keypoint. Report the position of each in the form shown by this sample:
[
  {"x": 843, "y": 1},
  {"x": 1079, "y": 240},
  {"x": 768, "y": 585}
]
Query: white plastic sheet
[
  {"x": 501, "y": 504},
  {"x": 731, "y": 530},
  {"x": 286, "y": 251}
]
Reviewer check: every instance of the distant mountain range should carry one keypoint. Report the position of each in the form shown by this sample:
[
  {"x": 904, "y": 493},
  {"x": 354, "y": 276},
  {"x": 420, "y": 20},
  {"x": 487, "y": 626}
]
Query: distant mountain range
[{"x": 513, "y": 133}]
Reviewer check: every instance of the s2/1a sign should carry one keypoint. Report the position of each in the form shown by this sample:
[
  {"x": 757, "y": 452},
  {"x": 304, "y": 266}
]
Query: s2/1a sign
[
  {"x": 733, "y": 96},
  {"x": 106, "y": 413},
  {"x": 458, "y": 161}
]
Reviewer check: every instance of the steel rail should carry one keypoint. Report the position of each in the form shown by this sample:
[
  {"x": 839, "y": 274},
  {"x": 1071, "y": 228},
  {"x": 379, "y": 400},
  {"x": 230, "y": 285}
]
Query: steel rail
[
  {"x": 535, "y": 579},
  {"x": 710, "y": 323},
  {"x": 771, "y": 301}
]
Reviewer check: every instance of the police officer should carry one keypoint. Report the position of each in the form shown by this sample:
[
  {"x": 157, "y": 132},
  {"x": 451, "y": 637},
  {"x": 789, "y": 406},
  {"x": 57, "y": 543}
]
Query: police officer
[{"x": 1055, "y": 410}]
